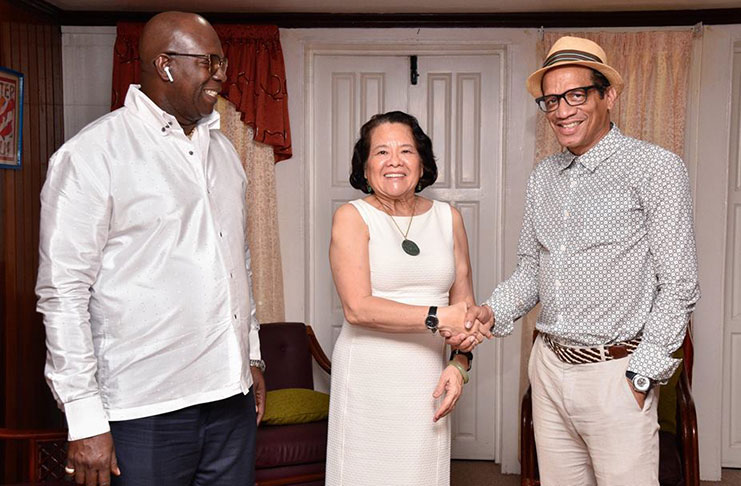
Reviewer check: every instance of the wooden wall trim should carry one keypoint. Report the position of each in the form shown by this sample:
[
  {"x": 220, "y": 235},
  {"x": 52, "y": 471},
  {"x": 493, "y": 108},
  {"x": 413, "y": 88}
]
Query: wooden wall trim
[
  {"x": 649, "y": 18},
  {"x": 30, "y": 42}
]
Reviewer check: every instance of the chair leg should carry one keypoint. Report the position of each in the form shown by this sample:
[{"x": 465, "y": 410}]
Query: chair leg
[
  {"x": 688, "y": 432},
  {"x": 528, "y": 453}
]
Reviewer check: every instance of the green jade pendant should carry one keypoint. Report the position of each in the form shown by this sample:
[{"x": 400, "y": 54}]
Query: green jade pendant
[{"x": 410, "y": 247}]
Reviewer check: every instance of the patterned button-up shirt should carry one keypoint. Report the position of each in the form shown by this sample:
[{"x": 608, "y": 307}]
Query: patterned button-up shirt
[{"x": 608, "y": 247}]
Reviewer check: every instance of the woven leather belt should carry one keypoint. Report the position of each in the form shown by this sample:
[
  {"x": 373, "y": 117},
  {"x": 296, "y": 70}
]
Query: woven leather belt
[{"x": 595, "y": 354}]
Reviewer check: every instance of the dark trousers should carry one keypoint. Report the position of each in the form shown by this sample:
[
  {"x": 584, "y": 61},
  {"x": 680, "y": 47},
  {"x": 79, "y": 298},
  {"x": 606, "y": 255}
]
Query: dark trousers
[{"x": 211, "y": 444}]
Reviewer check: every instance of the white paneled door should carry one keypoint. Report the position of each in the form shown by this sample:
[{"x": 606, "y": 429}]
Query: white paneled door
[
  {"x": 731, "y": 422},
  {"x": 458, "y": 102}
]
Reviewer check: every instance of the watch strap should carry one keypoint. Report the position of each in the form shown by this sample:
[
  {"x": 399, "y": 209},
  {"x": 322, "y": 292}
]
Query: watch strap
[
  {"x": 431, "y": 320},
  {"x": 467, "y": 354}
]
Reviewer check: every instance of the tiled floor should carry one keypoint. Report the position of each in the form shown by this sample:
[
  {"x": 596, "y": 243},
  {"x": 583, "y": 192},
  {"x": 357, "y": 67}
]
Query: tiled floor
[{"x": 486, "y": 473}]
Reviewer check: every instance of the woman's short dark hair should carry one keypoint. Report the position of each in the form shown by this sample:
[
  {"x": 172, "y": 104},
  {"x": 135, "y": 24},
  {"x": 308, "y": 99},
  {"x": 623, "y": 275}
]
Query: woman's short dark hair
[{"x": 422, "y": 143}]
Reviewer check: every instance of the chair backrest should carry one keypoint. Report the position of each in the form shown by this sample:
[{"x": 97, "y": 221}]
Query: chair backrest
[
  {"x": 285, "y": 349},
  {"x": 688, "y": 352},
  {"x": 45, "y": 452}
]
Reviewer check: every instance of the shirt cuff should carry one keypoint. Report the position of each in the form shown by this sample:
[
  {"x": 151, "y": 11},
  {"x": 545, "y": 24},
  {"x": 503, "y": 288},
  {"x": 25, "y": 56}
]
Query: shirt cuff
[
  {"x": 503, "y": 322},
  {"x": 86, "y": 418},
  {"x": 254, "y": 343},
  {"x": 651, "y": 360}
]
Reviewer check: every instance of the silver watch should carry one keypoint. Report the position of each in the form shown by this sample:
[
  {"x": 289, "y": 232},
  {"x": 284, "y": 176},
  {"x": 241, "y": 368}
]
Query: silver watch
[
  {"x": 640, "y": 383},
  {"x": 258, "y": 363}
]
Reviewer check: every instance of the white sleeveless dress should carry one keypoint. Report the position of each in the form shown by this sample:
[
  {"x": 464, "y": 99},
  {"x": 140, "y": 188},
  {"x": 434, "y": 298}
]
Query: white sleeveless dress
[{"x": 381, "y": 431}]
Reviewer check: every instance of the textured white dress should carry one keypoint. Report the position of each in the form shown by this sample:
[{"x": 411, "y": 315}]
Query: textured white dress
[{"x": 381, "y": 431}]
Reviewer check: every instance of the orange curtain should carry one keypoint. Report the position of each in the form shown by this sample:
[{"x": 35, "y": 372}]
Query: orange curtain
[
  {"x": 255, "y": 84},
  {"x": 262, "y": 228}
]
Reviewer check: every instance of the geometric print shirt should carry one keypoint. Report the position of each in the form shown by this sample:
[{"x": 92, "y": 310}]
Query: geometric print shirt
[{"x": 608, "y": 248}]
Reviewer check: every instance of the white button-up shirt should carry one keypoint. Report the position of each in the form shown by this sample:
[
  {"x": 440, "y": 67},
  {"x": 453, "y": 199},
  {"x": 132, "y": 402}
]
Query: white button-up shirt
[{"x": 144, "y": 272}]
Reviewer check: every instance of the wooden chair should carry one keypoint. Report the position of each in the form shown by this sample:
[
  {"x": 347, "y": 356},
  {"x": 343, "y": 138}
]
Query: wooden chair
[
  {"x": 45, "y": 453},
  {"x": 292, "y": 454},
  {"x": 686, "y": 437}
]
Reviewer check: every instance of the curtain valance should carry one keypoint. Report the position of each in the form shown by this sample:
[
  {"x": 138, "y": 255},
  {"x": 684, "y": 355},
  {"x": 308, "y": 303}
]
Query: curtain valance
[{"x": 255, "y": 84}]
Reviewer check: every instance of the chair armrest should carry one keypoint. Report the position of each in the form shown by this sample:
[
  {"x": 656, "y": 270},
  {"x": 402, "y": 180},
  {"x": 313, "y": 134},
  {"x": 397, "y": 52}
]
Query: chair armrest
[
  {"x": 528, "y": 455},
  {"x": 687, "y": 431},
  {"x": 317, "y": 352},
  {"x": 32, "y": 434}
]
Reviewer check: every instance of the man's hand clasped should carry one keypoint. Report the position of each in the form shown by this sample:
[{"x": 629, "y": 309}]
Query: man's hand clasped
[{"x": 476, "y": 326}]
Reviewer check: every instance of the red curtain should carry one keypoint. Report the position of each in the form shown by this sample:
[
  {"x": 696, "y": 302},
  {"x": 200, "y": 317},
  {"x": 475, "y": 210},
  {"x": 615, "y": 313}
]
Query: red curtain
[{"x": 255, "y": 84}]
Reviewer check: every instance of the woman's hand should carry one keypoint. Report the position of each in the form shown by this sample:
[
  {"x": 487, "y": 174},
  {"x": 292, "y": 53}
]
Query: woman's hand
[
  {"x": 451, "y": 382},
  {"x": 478, "y": 323},
  {"x": 451, "y": 319}
]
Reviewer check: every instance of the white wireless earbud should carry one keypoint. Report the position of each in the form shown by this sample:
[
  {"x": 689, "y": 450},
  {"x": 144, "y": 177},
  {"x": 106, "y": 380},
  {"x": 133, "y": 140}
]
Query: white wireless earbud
[{"x": 169, "y": 74}]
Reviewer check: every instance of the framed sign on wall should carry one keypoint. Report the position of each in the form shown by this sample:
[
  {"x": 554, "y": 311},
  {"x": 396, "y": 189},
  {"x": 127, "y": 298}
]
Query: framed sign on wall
[{"x": 11, "y": 118}]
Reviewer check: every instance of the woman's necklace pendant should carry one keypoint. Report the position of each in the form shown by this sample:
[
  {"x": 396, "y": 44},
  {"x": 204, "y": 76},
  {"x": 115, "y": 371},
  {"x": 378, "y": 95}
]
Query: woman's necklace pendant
[{"x": 410, "y": 247}]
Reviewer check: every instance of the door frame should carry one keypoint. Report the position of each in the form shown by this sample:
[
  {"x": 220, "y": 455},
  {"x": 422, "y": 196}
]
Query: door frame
[{"x": 516, "y": 46}]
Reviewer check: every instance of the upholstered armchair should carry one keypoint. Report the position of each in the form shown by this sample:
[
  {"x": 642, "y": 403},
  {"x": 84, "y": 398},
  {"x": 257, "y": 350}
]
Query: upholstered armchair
[
  {"x": 678, "y": 460},
  {"x": 292, "y": 453}
]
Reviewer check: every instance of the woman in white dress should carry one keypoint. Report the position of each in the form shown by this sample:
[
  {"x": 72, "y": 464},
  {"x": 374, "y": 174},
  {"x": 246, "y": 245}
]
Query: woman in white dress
[{"x": 401, "y": 267}]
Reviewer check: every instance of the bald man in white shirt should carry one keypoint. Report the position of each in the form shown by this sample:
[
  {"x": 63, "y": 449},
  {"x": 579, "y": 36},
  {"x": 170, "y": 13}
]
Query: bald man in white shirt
[{"x": 145, "y": 283}]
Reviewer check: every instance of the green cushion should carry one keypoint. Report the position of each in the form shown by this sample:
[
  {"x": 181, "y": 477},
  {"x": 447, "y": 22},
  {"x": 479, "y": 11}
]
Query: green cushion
[{"x": 295, "y": 406}]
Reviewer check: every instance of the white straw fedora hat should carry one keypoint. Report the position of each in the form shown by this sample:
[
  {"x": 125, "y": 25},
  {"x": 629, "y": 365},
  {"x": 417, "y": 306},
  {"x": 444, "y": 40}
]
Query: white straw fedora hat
[{"x": 574, "y": 51}]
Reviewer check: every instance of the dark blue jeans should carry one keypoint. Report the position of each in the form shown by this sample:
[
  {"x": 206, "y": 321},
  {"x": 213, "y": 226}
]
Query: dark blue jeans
[{"x": 211, "y": 444}]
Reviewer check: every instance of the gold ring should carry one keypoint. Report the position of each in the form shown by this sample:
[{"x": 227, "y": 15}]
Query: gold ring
[{"x": 69, "y": 470}]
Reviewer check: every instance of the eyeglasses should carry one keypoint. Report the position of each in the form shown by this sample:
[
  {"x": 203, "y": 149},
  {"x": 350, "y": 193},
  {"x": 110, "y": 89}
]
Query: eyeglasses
[
  {"x": 572, "y": 97},
  {"x": 214, "y": 61}
]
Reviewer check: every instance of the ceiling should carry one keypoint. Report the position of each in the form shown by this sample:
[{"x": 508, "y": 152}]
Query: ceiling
[{"x": 391, "y": 6}]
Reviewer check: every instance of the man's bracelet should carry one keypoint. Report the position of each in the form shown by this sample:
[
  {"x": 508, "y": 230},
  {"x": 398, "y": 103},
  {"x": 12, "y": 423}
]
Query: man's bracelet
[
  {"x": 258, "y": 363},
  {"x": 460, "y": 368}
]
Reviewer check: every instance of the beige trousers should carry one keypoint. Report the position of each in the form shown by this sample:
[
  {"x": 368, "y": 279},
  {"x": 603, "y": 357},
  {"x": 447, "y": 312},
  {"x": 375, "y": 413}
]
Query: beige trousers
[{"x": 589, "y": 429}]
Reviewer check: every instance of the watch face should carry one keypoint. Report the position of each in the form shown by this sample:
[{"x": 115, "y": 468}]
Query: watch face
[
  {"x": 641, "y": 383},
  {"x": 431, "y": 322}
]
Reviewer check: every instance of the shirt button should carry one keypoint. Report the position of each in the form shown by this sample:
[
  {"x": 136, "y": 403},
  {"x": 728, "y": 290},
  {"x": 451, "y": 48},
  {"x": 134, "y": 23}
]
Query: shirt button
[
  {"x": 557, "y": 283},
  {"x": 566, "y": 214},
  {"x": 235, "y": 316},
  {"x": 573, "y": 184},
  {"x": 220, "y": 235},
  {"x": 163, "y": 129},
  {"x": 231, "y": 275},
  {"x": 563, "y": 247},
  {"x": 559, "y": 318},
  {"x": 190, "y": 152}
]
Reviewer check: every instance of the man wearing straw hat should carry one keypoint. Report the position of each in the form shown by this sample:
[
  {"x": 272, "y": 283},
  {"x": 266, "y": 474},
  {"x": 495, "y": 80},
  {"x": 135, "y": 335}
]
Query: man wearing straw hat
[{"x": 608, "y": 248}]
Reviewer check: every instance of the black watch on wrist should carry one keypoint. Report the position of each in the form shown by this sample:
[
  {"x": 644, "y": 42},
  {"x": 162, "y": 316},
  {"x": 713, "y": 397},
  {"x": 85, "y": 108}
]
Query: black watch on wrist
[
  {"x": 431, "y": 321},
  {"x": 640, "y": 383},
  {"x": 467, "y": 354}
]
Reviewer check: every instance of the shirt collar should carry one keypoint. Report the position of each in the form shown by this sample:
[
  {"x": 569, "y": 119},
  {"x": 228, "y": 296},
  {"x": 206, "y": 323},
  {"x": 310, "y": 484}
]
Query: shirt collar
[
  {"x": 593, "y": 157},
  {"x": 158, "y": 118}
]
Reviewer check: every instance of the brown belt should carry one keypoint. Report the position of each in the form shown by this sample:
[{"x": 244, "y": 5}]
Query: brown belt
[{"x": 595, "y": 354}]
